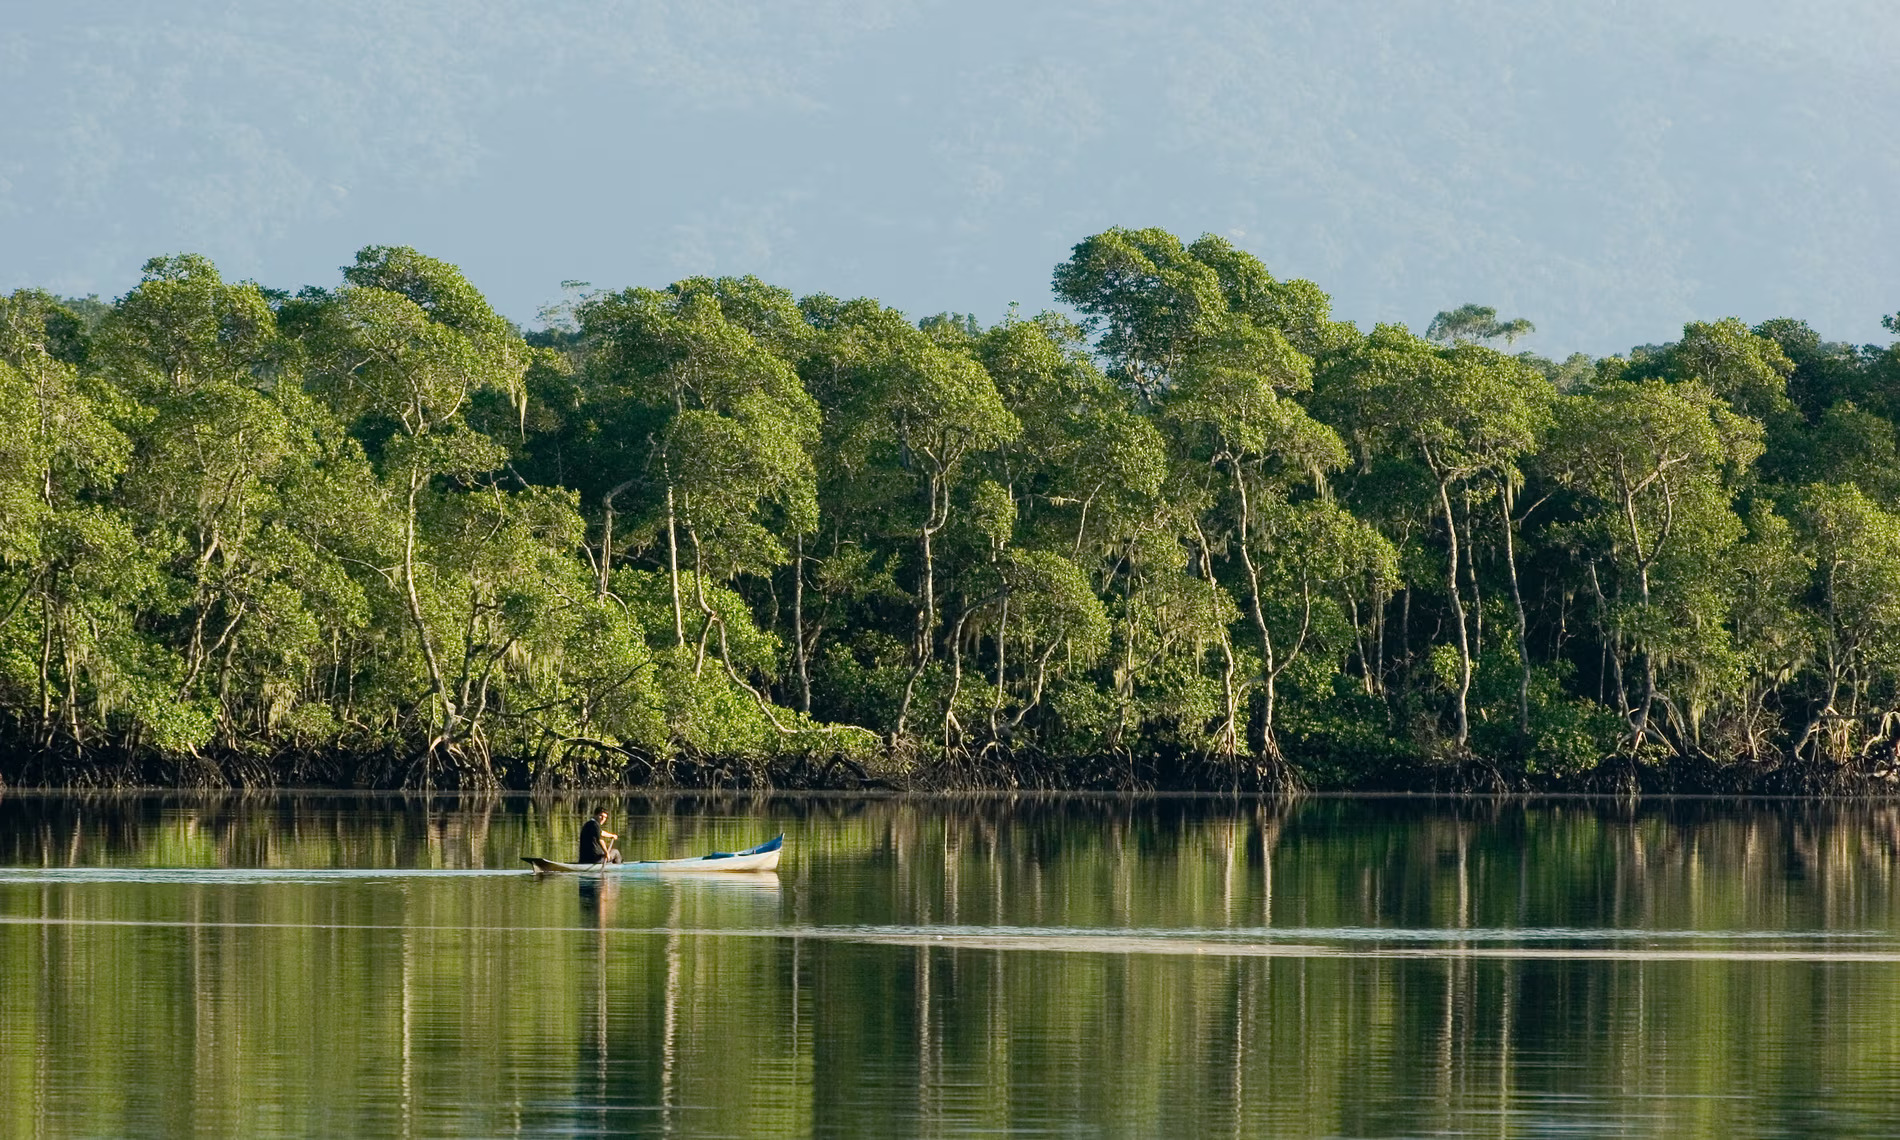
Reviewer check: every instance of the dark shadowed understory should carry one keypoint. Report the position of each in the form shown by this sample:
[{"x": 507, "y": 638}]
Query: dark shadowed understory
[{"x": 713, "y": 535}]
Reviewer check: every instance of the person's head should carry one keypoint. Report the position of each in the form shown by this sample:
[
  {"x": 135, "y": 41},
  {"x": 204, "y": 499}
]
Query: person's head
[{"x": 600, "y": 813}]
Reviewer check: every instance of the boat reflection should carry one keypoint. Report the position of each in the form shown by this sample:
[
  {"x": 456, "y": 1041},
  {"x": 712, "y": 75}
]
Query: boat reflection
[{"x": 598, "y": 893}]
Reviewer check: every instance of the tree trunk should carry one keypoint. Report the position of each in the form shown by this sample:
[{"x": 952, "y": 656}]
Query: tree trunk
[
  {"x": 1229, "y": 733},
  {"x": 707, "y": 614},
  {"x": 46, "y": 667},
  {"x": 673, "y": 566},
  {"x": 447, "y": 715},
  {"x": 1458, "y": 612},
  {"x": 1381, "y": 598},
  {"x": 1639, "y": 716},
  {"x": 798, "y": 626},
  {"x": 1470, "y": 546},
  {"x": 607, "y": 536},
  {"x": 1002, "y": 635},
  {"x": 1269, "y": 665},
  {"x": 924, "y": 647},
  {"x": 1517, "y": 596},
  {"x": 952, "y": 727}
]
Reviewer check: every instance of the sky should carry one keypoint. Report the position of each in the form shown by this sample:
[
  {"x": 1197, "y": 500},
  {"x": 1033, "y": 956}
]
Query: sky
[{"x": 1607, "y": 169}]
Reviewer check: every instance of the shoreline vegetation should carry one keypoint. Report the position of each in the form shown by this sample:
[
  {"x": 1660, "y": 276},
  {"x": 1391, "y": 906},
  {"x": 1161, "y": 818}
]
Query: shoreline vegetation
[{"x": 715, "y": 536}]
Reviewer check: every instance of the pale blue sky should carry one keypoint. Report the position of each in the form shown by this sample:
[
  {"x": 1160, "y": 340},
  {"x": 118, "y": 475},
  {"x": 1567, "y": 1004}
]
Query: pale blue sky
[{"x": 1608, "y": 169}]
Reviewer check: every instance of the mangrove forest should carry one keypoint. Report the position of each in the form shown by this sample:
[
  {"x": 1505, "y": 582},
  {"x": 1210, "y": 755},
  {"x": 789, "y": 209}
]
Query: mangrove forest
[{"x": 1192, "y": 533}]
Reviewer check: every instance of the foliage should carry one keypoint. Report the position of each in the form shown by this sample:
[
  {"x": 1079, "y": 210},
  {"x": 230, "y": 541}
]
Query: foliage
[{"x": 715, "y": 533}]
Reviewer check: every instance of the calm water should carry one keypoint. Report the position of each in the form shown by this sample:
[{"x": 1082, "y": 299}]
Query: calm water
[{"x": 378, "y": 967}]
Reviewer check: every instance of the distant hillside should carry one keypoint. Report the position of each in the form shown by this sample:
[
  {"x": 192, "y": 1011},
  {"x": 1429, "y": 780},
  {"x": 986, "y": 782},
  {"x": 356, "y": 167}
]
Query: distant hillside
[{"x": 1610, "y": 170}]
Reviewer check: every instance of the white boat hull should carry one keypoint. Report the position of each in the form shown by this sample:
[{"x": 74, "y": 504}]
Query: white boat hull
[{"x": 764, "y": 857}]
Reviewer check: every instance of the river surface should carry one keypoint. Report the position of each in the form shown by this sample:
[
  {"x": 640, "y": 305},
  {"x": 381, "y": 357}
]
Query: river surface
[{"x": 377, "y": 967}]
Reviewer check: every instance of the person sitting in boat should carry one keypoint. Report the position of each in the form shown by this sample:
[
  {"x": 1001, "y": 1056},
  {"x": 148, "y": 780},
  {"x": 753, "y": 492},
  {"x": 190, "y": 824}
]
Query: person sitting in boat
[{"x": 597, "y": 841}]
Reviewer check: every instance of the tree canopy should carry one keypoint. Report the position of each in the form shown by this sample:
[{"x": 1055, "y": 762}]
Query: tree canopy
[{"x": 1193, "y": 533}]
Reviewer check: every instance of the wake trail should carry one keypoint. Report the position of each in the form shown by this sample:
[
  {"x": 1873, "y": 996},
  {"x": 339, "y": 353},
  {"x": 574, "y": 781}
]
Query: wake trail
[{"x": 1125, "y": 943}]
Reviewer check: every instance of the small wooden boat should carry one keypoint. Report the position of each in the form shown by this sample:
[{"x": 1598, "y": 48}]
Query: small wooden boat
[{"x": 764, "y": 857}]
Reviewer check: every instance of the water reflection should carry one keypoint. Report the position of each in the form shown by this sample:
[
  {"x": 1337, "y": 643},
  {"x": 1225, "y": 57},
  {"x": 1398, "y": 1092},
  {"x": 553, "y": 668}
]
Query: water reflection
[
  {"x": 596, "y": 896},
  {"x": 273, "y": 966}
]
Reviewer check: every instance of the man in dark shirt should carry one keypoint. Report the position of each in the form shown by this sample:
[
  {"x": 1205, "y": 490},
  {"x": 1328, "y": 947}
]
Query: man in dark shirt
[{"x": 596, "y": 842}]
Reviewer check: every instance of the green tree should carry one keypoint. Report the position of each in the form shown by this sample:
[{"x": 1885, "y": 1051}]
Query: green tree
[
  {"x": 1231, "y": 413},
  {"x": 1153, "y": 300},
  {"x": 1475, "y": 323},
  {"x": 72, "y": 570},
  {"x": 1749, "y": 371},
  {"x": 403, "y": 351},
  {"x": 1469, "y": 415},
  {"x": 212, "y": 479},
  {"x": 1856, "y": 555},
  {"x": 721, "y": 415},
  {"x": 894, "y": 394},
  {"x": 1658, "y": 462}
]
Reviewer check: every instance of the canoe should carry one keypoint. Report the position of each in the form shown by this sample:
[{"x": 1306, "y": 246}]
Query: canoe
[{"x": 764, "y": 857}]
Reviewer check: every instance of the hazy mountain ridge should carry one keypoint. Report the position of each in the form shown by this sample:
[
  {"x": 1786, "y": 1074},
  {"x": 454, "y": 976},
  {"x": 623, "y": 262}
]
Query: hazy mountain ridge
[{"x": 1609, "y": 170}]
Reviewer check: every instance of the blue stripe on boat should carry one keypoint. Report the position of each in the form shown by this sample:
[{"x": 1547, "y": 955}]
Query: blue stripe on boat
[{"x": 772, "y": 844}]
